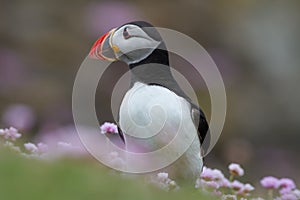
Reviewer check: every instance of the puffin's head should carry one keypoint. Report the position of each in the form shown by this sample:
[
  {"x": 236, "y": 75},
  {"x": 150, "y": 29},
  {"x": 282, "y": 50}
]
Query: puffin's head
[{"x": 130, "y": 43}]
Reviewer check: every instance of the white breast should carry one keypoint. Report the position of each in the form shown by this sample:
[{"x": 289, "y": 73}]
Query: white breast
[
  {"x": 151, "y": 116},
  {"x": 148, "y": 110}
]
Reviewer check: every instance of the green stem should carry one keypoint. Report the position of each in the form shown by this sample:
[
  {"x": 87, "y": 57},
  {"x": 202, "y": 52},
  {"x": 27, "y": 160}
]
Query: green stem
[
  {"x": 270, "y": 194},
  {"x": 231, "y": 178}
]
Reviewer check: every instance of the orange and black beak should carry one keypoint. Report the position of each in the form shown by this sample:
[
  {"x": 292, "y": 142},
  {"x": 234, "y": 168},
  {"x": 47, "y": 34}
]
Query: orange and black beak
[{"x": 103, "y": 49}]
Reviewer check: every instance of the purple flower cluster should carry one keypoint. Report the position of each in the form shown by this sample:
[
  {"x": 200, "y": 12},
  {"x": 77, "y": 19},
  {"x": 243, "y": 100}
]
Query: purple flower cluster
[
  {"x": 40, "y": 150},
  {"x": 60, "y": 146},
  {"x": 285, "y": 188},
  {"x": 236, "y": 169},
  {"x": 10, "y": 133},
  {"x": 163, "y": 181},
  {"x": 214, "y": 181},
  {"x": 109, "y": 128}
]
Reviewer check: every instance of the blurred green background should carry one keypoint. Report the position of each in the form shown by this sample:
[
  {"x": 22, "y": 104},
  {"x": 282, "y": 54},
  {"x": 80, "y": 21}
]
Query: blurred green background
[
  {"x": 255, "y": 44},
  {"x": 76, "y": 180}
]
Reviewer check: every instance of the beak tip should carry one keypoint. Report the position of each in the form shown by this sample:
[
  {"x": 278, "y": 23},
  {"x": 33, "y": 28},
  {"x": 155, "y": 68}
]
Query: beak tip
[
  {"x": 101, "y": 51},
  {"x": 92, "y": 54}
]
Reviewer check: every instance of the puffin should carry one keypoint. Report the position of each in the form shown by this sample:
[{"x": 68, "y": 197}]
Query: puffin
[{"x": 154, "y": 107}]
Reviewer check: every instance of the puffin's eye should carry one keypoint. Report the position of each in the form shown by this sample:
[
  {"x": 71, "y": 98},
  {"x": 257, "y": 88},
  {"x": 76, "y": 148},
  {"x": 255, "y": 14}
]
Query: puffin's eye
[{"x": 126, "y": 34}]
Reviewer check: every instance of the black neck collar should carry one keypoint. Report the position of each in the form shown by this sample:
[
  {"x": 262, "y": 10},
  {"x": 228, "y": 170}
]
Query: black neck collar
[{"x": 155, "y": 70}]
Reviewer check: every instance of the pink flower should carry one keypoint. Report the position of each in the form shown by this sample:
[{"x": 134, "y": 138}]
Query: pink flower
[
  {"x": 31, "y": 147},
  {"x": 10, "y": 133},
  {"x": 287, "y": 183},
  {"x": 224, "y": 183},
  {"x": 108, "y": 128},
  {"x": 211, "y": 174},
  {"x": 270, "y": 182},
  {"x": 286, "y": 186},
  {"x": 206, "y": 184},
  {"x": 247, "y": 188},
  {"x": 207, "y": 174},
  {"x": 242, "y": 189},
  {"x": 211, "y": 184},
  {"x": 237, "y": 185},
  {"x": 288, "y": 196},
  {"x": 218, "y": 175},
  {"x": 163, "y": 181},
  {"x": 162, "y": 177},
  {"x": 236, "y": 169}
]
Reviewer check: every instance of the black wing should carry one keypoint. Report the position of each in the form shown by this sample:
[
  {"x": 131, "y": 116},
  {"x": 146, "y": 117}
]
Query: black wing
[
  {"x": 121, "y": 134},
  {"x": 199, "y": 119}
]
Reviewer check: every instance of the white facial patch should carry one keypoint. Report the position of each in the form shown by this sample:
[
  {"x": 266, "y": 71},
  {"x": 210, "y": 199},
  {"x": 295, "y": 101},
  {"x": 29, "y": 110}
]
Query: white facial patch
[{"x": 136, "y": 47}]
